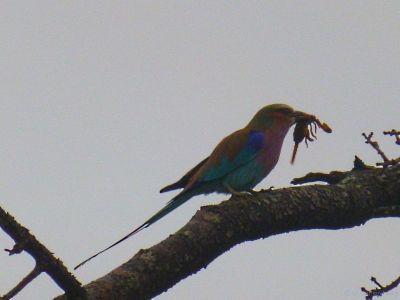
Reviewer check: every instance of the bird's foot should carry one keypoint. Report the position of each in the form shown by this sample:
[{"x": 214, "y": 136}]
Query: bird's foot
[
  {"x": 234, "y": 192},
  {"x": 252, "y": 192},
  {"x": 240, "y": 194}
]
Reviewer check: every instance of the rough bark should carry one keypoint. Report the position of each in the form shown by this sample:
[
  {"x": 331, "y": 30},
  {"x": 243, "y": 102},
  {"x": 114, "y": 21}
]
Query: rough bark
[
  {"x": 358, "y": 197},
  {"x": 44, "y": 258}
]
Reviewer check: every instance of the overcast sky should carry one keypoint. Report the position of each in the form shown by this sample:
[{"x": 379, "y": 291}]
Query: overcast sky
[{"x": 102, "y": 103}]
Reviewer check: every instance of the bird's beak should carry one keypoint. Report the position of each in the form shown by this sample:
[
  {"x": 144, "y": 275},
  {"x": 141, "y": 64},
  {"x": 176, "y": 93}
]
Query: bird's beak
[{"x": 299, "y": 115}]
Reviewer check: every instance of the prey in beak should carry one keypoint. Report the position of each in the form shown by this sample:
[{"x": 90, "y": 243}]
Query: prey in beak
[{"x": 306, "y": 129}]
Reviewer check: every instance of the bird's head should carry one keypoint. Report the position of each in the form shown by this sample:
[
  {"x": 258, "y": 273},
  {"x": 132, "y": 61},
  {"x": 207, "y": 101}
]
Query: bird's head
[{"x": 277, "y": 114}]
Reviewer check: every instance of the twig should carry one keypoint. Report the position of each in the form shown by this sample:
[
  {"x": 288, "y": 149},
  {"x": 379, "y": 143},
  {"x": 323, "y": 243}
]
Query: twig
[
  {"x": 375, "y": 145},
  {"x": 394, "y": 133},
  {"x": 23, "y": 283},
  {"x": 380, "y": 290},
  {"x": 46, "y": 262},
  {"x": 386, "y": 161},
  {"x": 374, "y": 280},
  {"x": 331, "y": 178}
]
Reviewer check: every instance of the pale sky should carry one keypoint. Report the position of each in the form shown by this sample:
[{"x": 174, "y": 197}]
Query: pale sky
[{"x": 104, "y": 102}]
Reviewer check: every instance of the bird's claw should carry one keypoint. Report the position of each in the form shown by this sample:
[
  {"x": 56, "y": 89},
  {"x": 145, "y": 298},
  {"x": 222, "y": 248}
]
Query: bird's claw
[
  {"x": 252, "y": 192},
  {"x": 239, "y": 194},
  {"x": 234, "y": 192}
]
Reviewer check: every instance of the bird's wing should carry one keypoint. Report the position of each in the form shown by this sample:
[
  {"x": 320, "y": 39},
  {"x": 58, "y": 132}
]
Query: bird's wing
[
  {"x": 232, "y": 152},
  {"x": 181, "y": 183}
]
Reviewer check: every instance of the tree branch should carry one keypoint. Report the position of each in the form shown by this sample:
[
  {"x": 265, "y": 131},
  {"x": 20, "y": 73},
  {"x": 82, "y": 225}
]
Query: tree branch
[
  {"x": 23, "y": 283},
  {"x": 380, "y": 290},
  {"x": 331, "y": 178},
  {"x": 360, "y": 196},
  {"x": 375, "y": 145},
  {"x": 45, "y": 261},
  {"x": 395, "y": 133}
]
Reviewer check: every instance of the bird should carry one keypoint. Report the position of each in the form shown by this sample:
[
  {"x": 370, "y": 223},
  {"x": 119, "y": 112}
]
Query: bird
[{"x": 236, "y": 165}]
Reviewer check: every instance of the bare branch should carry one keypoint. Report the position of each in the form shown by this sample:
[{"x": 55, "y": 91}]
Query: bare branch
[
  {"x": 380, "y": 290},
  {"x": 375, "y": 145},
  {"x": 23, "y": 283},
  {"x": 330, "y": 178},
  {"x": 395, "y": 133},
  {"x": 45, "y": 261},
  {"x": 386, "y": 161}
]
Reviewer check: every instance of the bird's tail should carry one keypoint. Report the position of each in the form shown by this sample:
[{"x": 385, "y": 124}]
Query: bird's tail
[{"x": 170, "y": 206}]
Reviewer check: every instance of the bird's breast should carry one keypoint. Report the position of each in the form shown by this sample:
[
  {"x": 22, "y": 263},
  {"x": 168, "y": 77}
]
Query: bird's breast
[{"x": 271, "y": 151}]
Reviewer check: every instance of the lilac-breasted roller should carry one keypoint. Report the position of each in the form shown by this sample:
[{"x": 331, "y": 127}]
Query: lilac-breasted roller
[{"x": 238, "y": 163}]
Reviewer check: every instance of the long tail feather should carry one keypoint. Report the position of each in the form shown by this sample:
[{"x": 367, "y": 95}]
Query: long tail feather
[
  {"x": 171, "y": 205},
  {"x": 174, "y": 186}
]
